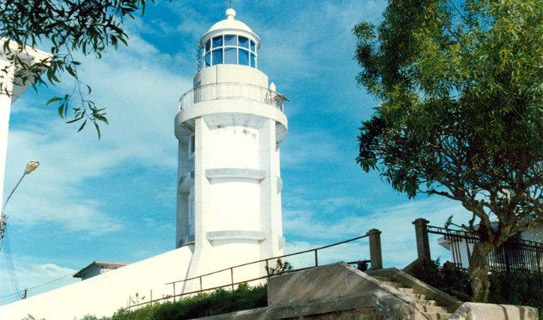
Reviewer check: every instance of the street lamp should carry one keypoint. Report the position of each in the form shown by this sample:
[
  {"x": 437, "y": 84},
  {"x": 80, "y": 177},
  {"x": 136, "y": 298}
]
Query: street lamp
[{"x": 30, "y": 166}]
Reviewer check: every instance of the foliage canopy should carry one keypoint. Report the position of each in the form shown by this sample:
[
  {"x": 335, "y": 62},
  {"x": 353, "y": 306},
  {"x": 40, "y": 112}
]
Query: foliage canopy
[
  {"x": 461, "y": 113},
  {"x": 67, "y": 27}
]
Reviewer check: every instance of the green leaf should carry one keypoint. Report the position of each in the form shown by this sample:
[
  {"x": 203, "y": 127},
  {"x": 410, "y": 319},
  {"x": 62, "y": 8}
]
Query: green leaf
[
  {"x": 83, "y": 126},
  {"x": 61, "y": 109},
  {"x": 97, "y": 130},
  {"x": 53, "y": 99}
]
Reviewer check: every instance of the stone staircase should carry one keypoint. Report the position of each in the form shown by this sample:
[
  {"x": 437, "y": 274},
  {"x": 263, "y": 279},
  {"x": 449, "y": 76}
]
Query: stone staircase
[{"x": 430, "y": 307}]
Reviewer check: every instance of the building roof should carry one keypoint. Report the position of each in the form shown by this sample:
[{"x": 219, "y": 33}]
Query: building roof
[
  {"x": 230, "y": 24},
  {"x": 101, "y": 264},
  {"x": 29, "y": 56}
]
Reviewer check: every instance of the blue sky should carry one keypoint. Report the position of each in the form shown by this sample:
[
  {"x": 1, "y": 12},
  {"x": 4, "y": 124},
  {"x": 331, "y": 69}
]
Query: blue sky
[{"x": 114, "y": 199}]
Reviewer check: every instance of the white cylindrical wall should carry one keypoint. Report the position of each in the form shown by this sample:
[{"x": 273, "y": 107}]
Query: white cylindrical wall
[{"x": 233, "y": 147}]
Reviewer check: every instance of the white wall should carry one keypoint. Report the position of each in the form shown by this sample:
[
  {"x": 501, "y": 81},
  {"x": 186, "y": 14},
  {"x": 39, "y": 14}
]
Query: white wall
[
  {"x": 5, "y": 107},
  {"x": 106, "y": 293},
  {"x": 533, "y": 234}
]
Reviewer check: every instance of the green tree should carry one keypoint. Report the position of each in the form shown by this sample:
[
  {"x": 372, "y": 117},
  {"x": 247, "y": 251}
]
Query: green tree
[
  {"x": 461, "y": 111},
  {"x": 88, "y": 27}
]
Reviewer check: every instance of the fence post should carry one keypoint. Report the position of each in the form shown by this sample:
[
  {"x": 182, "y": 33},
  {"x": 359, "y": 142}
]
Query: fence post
[
  {"x": 423, "y": 245},
  {"x": 375, "y": 249}
]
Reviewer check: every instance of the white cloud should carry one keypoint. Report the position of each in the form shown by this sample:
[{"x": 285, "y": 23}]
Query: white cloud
[
  {"x": 34, "y": 276},
  {"x": 395, "y": 223},
  {"x": 310, "y": 147},
  {"x": 140, "y": 90}
]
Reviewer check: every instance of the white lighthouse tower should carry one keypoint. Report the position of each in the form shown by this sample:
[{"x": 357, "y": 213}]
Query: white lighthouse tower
[{"x": 229, "y": 127}]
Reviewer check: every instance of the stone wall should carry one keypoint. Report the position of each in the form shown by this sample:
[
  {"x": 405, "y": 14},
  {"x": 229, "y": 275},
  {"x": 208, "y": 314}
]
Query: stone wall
[
  {"x": 340, "y": 292},
  {"x": 354, "y": 314}
]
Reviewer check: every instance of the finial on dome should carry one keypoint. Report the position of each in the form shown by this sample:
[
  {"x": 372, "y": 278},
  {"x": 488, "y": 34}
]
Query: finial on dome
[{"x": 230, "y": 13}]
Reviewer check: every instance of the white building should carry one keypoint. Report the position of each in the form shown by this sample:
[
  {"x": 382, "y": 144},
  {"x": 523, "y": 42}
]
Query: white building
[
  {"x": 11, "y": 90},
  {"x": 229, "y": 129},
  {"x": 461, "y": 248}
]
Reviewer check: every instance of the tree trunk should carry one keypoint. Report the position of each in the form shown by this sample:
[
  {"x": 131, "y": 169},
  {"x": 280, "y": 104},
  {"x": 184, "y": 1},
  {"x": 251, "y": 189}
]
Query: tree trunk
[{"x": 478, "y": 271}]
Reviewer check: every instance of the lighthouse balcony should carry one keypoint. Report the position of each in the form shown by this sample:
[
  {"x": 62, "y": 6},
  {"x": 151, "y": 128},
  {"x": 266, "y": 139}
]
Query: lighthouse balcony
[{"x": 232, "y": 90}]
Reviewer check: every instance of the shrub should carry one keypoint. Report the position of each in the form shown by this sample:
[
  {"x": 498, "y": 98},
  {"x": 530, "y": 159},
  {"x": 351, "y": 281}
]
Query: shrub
[{"x": 201, "y": 305}]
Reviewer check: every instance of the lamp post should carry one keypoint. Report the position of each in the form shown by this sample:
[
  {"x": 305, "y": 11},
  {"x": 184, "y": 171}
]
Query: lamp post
[{"x": 30, "y": 166}]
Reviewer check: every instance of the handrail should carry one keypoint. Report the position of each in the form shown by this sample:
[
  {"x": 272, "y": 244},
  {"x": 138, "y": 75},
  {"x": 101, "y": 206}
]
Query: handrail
[
  {"x": 232, "y": 284},
  {"x": 228, "y": 285},
  {"x": 451, "y": 232},
  {"x": 232, "y": 90},
  {"x": 471, "y": 236},
  {"x": 268, "y": 259}
]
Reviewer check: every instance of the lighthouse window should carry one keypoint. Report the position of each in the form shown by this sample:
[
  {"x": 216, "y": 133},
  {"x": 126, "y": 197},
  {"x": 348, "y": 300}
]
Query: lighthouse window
[
  {"x": 230, "y": 56},
  {"x": 243, "y": 42},
  {"x": 192, "y": 147},
  {"x": 229, "y": 49},
  {"x": 217, "y": 56},
  {"x": 243, "y": 57},
  {"x": 191, "y": 216},
  {"x": 230, "y": 40},
  {"x": 217, "y": 42}
]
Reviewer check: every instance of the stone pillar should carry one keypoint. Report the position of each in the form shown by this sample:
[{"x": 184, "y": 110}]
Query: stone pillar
[
  {"x": 375, "y": 249},
  {"x": 423, "y": 245}
]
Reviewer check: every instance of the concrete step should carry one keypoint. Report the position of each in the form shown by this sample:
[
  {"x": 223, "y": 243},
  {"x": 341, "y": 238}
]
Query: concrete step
[
  {"x": 384, "y": 279},
  {"x": 417, "y": 296},
  {"x": 428, "y": 303},
  {"x": 407, "y": 291},
  {"x": 393, "y": 284},
  {"x": 438, "y": 316},
  {"x": 430, "y": 307},
  {"x": 434, "y": 309}
]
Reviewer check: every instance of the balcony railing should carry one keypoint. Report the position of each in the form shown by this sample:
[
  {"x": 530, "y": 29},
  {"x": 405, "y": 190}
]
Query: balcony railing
[{"x": 230, "y": 90}]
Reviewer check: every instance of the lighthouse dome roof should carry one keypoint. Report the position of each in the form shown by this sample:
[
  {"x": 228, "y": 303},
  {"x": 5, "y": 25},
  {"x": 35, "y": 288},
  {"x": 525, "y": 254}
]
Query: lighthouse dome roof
[{"x": 230, "y": 25}]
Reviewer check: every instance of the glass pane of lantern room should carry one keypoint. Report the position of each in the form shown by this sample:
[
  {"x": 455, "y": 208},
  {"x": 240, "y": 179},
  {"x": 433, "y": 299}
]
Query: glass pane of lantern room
[
  {"x": 217, "y": 56},
  {"x": 243, "y": 42},
  {"x": 217, "y": 42},
  {"x": 243, "y": 57},
  {"x": 252, "y": 46},
  {"x": 253, "y": 60},
  {"x": 208, "y": 45},
  {"x": 230, "y": 40},
  {"x": 207, "y": 60},
  {"x": 230, "y": 56}
]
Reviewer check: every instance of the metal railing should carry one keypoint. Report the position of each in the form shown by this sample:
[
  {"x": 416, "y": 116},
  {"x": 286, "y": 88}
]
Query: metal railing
[
  {"x": 232, "y": 90},
  {"x": 361, "y": 264},
  {"x": 515, "y": 255}
]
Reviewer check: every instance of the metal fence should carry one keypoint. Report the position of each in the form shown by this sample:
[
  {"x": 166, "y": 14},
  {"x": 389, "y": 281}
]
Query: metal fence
[
  {"x": 230, "y": 90},
  {"x": 272, "y": 266},
  {"x": 515, "y": 255}
]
